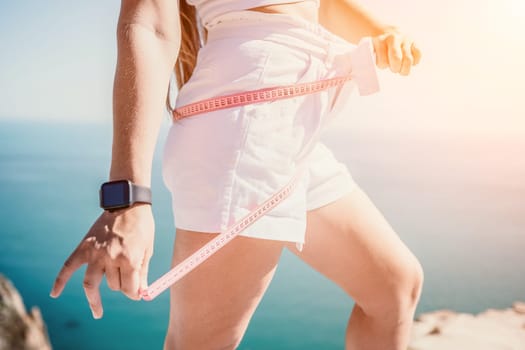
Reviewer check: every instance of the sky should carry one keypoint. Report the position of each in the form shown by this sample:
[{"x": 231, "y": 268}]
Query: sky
[{"x": 58, "y": 59}]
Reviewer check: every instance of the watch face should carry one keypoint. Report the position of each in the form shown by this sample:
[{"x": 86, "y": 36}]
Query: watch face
[{"x": 115, "y": 194}]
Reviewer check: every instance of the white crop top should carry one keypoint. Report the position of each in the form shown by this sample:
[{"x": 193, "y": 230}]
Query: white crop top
[{"x": 207, "y": 10}]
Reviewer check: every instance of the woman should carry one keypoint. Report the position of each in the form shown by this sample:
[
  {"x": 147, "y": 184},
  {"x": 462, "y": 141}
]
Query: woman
[{"x": 219, "y": 164}]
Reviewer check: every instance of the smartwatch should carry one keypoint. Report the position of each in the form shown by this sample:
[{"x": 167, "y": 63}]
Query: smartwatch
[{"x": 122, "y": 194}]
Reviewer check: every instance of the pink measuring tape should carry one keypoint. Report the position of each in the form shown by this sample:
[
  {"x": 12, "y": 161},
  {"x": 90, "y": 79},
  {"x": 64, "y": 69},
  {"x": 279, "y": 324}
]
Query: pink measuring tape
[{"x": 363, "y": 73}]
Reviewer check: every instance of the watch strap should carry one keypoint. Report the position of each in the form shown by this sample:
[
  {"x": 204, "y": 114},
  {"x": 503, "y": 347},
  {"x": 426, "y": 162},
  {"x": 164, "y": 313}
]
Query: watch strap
[{"x": 141, "y": 194}]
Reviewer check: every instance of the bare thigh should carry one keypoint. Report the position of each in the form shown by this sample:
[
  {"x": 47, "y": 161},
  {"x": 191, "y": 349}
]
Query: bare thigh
[
  {"x": 212, "y": 306},
  {"x": 350, "y": 242}
]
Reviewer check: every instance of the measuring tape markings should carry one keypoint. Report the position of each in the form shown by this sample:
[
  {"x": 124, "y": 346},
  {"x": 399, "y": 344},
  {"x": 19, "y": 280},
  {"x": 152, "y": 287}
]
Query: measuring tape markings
[
  {"x": 367, "y": 81},
  {"x": 256, "y": 96}
]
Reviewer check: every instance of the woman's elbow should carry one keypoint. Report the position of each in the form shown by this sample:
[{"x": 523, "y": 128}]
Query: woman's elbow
[{"x": 153, "y": 18}]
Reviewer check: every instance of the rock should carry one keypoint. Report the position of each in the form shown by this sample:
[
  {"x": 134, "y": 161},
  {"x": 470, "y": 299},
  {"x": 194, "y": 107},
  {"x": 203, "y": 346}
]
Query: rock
[
  {"x": 435, "y": 331},
  {"x": 489, "y": 330},
  {"x": 18, "y": 329},
  {"x": 519, "y": 307}
]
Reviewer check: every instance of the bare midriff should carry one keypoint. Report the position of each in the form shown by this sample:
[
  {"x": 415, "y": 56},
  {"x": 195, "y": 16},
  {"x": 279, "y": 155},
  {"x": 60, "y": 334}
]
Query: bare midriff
[{"x": 305, "y": 9}]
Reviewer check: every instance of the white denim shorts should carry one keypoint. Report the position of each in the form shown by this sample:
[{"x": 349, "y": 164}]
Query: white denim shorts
[{"x": 219, "y": 165}]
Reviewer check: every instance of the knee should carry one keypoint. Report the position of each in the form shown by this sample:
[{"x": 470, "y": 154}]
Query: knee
[
  {"x": 415, "y": 283},
  {"x": 400, "y": 293},
  {"x": 406, "y": 287}
]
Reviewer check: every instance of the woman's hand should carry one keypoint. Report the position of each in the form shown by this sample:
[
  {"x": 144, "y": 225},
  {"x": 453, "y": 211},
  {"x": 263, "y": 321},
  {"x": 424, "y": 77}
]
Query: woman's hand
[
  {"x": 119, "y": 244},
  {"x": 395, "y": 50}
]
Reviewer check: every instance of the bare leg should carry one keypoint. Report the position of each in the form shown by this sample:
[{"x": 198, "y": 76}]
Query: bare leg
[
  {"x": 351, "y": 243},
  {"x": 212, "y": 306}
]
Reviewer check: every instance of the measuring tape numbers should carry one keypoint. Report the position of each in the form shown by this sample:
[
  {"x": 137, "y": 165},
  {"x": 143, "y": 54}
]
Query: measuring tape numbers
[{"x": 363, "y": 73}]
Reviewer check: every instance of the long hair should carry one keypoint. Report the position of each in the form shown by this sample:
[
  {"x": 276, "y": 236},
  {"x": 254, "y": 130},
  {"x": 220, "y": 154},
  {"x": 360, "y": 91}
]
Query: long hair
[{"x": 190, "y": 44}]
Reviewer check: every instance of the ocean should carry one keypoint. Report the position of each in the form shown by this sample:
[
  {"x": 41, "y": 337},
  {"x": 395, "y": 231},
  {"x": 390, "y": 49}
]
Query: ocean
[{"x": 456, "y": 199}]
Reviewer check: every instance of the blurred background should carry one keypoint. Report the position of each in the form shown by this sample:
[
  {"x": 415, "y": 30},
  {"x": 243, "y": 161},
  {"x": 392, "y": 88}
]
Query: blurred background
[{"x": 441, "y": 153}]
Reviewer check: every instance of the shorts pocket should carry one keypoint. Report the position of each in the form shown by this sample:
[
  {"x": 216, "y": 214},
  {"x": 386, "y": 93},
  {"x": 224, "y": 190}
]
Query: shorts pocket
[
  {"x": 217, "y": 74},
  {"x": 288, "y": 67}
]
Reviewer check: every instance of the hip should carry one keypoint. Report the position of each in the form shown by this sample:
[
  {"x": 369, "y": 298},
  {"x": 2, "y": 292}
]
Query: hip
[{"x": 248, "y": 50}]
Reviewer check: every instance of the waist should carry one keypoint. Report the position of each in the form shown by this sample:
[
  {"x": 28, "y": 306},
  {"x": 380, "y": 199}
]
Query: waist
[
  {"x": 208, "y": 10},
  {"x": 306, "y": 9},
  {"x": 282, "y": 28}
]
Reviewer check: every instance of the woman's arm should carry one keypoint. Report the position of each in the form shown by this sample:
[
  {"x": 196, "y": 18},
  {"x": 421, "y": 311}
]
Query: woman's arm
[
  {"x": 148, "y": 39},
  {"x": 352, "y": 22},
  {"x": 120, "y": 244},
  {"x": 349, "y": 20}
]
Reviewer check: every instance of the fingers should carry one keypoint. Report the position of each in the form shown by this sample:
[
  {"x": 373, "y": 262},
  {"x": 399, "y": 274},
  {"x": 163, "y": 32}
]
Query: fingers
[
  {"x": 115, "y": 245},
  {"x": 113, "y": 277},
  {"x": 144, "y": 272},
  {"x": 416, "y": 53},
  {"x": 380, "y": 49},
  {"x": 408, "y": 60},
  {"x": 130, "y": 282},
  {"x": 70, "y": 266},
  {"x": 92, "y": 279},
  {"x": 395, "y": 54}
]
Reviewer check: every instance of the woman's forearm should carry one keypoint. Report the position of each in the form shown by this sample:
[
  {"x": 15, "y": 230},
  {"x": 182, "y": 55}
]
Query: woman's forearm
[
  {"x": 349, "y": 20},
  {"x": 144, "y": 65}
]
